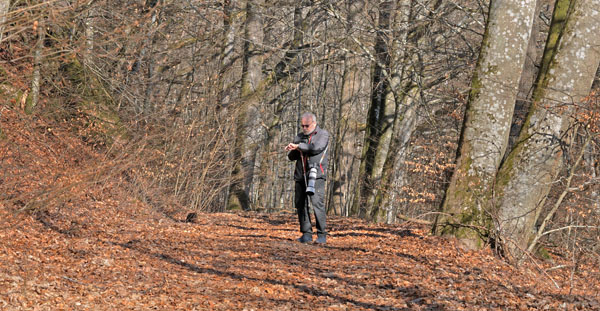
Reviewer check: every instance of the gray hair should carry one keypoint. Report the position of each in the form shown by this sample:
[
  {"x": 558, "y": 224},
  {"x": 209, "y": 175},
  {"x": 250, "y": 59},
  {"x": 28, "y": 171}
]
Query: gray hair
[{"x": 309, "y": 115}]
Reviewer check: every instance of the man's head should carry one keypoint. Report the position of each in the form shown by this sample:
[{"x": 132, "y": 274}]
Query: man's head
[{"x": 308, "y": 122}]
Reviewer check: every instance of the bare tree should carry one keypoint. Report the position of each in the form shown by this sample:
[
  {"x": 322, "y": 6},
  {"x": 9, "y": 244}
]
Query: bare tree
[
  {"x": 231, "y": 20},
  {"x": 249, "y": 130},
  {"x": 345, "y": 162},
  {"x": 404, "y": 72},
  {"x": 381, "y": 115}
]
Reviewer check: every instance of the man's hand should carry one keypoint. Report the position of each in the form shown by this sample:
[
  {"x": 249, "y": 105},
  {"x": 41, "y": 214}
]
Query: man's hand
[{"x": 291, "y": 147}]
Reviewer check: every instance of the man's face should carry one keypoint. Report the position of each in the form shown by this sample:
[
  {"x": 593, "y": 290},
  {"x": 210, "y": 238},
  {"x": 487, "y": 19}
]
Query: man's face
[{"x": 308, "y": 125}]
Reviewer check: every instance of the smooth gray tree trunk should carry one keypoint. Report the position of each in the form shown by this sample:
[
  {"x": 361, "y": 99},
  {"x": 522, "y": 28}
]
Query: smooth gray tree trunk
[
  {"x": 528, "y": 173},
  {"x": 487, "y": 122},
  {"x": 527, "y": 82}
]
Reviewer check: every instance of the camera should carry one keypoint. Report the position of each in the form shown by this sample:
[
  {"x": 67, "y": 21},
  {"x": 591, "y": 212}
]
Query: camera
[{"x": 312, "y": 177}]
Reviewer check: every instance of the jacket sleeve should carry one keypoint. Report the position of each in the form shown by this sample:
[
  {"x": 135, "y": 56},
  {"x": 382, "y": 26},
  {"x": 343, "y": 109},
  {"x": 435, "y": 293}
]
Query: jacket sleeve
[
  {"x": 317, "y": 144},
  {"x": 294, "y": 154}
]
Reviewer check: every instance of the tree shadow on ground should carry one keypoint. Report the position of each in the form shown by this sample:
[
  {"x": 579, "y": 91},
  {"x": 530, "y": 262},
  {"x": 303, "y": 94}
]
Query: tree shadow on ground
[
  {"x": 313, "y": 291},
  {"x": 373, "y": 235},
  {"x": 394, "y": 231},
  {"x": 273, "y": 219}
]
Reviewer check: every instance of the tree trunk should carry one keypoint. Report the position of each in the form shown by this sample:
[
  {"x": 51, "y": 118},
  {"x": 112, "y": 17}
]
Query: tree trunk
[
  {"x": 407, "y": 66},
  {"x": 37, "y": 66},
  {"x": 4, "y": 7},
  {"x": 487, "y": 121},
  {"x": 527, "y": 82},
  {"x": 347, "y": 120},
  {"x": 404, "y": 126},
  {"x": 526, "y": 176},
  {"x": 394, "y": 118},
  {"x": 227, "y": 58},
  {"x": 380, "y": 118},
  {"x": 89, "y": 34},
  {"x": 148, "y": 105},
  {"x": 249, "y": 132},
  {"x": 590, "y": 157}
]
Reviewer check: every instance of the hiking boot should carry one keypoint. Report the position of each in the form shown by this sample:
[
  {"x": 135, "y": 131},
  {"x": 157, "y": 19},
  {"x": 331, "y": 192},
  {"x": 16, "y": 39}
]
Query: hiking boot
[
  {"x": 305, "y": 238},
  {"x": 321, "y": 239}
]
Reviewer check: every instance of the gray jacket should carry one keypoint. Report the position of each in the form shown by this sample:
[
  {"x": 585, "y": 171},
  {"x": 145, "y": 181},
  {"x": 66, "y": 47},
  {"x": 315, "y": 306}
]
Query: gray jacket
[{"x": 314, "y": 148}]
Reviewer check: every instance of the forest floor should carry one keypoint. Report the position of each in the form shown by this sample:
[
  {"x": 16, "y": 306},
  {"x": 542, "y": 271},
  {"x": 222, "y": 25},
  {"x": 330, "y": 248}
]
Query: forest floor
[{"x": 69, "y": 241}]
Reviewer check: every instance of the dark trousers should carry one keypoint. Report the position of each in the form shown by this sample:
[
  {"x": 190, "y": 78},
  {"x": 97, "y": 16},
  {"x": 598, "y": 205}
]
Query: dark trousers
[{"x": 317, "y": 201}]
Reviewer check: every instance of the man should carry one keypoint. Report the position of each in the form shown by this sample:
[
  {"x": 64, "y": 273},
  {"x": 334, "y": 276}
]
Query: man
[{"x": 309, "y": 150}]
